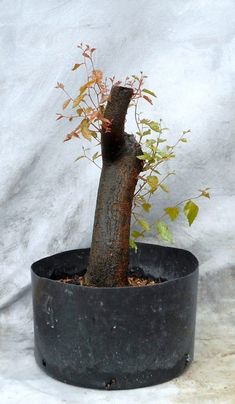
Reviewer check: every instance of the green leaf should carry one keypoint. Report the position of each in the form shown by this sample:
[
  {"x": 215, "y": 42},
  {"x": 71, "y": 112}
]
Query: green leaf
[
  {"x": 79, "y": 99},
  {"x": 173, "y": 212},
  {"x": 150, "y": 142},
  {"x": 145, "y": 156},
  {"x": 96, "y": 155},
  {"x": 146, "y": 132},
  {"x": 149, "y": 92},
  {"x": 140, "y": 198},
  {"x": 183, "y": 139},
  {"x": 144, "y": 224},
  {"x": 146, "y": 206},
  {"x": 79, "y": 111},
  {"x": 135, "y": 77},
  {"x": 145, "y": 121},
  {"x": 93, "y": 133},
  {"x": 76, "y": 66},
  {"x": 165, "y": 155},
  {"x": 163, "y": 231},
  {"x": 155, "y": 126},
  {"x": 191, "y": 211},
  {"x": 86, "y": 132},
  {"x": 152, "y": 181},
  {"x": 133, "y": 244},
  {"x": 86, "y": 85},
  {"x": 152, "y": 125},
  {"x": 164, "y": 187},
  {"x": 136, "y": 234},
  {"x": 79, "y": 158},
  {"x": 156, "y": 171},
  {"x": 142, "y": 157},
  {"x": 66, "y": 103}
]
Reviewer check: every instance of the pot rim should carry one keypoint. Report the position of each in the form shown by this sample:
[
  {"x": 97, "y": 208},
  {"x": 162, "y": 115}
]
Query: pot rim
[{"x": 92, "y": 288}]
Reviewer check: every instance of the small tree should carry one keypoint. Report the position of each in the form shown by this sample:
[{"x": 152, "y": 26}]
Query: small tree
[{"x": 101, "y": 107}]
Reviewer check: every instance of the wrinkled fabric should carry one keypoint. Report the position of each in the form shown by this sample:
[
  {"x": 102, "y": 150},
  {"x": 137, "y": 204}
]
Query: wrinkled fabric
[{"x": 47, "y": 200}]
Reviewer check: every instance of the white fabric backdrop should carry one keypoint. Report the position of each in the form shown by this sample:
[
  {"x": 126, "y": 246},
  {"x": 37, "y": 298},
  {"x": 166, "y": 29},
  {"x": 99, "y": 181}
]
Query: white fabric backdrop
[{"x": 47, "y": 201}]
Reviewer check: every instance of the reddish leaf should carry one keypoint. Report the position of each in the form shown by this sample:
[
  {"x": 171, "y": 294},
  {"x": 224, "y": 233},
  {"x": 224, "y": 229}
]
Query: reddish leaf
[
  {"x": 71, "y": 136},
  {"x": 59, "y": 85},
  {"x": 148, "y": 99},
  {"x": 86, "y": 55},
  {"x": 97, "y": 76}
]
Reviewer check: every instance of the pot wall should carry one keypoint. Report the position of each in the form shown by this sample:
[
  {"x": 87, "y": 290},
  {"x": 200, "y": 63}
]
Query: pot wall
[{"x": 116, "y": 338}]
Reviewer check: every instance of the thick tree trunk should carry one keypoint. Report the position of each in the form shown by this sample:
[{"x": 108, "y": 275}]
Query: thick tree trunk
[{"x": 108, "y": 263}]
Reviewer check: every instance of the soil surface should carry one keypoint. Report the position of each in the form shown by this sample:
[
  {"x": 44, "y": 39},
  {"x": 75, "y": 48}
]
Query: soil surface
[{"x": 135, "y": 278}]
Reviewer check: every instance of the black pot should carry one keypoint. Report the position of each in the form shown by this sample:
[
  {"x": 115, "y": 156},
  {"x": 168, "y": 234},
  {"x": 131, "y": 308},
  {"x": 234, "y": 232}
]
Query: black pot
[{"x": 116, "y": 338}]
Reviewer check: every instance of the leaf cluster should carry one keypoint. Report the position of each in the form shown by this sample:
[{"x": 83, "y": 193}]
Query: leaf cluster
[{"x": 87, "y": 109}]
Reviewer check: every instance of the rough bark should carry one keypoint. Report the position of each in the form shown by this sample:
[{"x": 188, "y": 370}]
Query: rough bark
[{"x": 108, "y": 262}]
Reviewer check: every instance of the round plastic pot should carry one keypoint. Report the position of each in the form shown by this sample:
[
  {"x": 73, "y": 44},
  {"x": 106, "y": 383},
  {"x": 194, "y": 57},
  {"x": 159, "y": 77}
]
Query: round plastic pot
[{"x": 116, "y": 338}]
